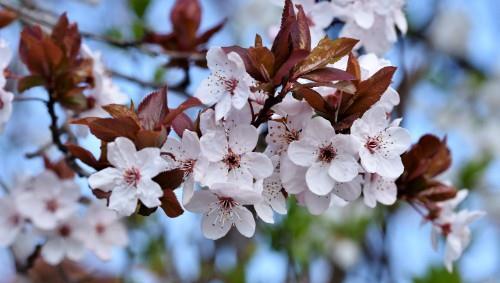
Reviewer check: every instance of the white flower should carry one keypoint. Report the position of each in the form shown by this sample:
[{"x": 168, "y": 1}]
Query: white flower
[
  {"x": 374, "y": 22},
  {"x": 105, "y": 231},
  {"x": 65, "y": 240},
  {"x": 50, "y": 201},
  {"x": 222, "y": 207},
  {"x": 186, "y": 156},
  {"x": 130, "y": 178},
  {"x": 382, "y": 144},
  {"x": 231, "y": 157},
  {"x": 370, "y": 64},
  {"x": 228, "y": 85},
  {"x": 233, "y": 118},
  {"x": 454, "y": 226},
  {"x": 330, "y": 157},
  {"x": 273, "y": 198},
  {"x": 11, "y": 221},
  {"x": 379, "y": 189},
  {"x": 105, "y": 91}
]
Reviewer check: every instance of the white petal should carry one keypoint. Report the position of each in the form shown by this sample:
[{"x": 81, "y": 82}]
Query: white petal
[
  {"x": 187, "y": 190},
  {"x": 349, "y": 191},
  {"x": 149, "y": 192},
  {"x": 258, "y": 164},
  {"x": 245, "y": 223},
  {"x": 191, "y": 144},
  {"x": 216, "y": 59},
  {"x": 364, "y": 19},
  {"x": 214, "y": 145},
  {"x": 243, "y": 138},
  {"x": 240, "y": 176},
  {"x": 278, "y": 203},
  {"x": 216, "y": 172},
  {"x": 316, "y": 204},
  {"x": 223, "y": 106},
  {"x": 264, "y": 212},
  {"x": 210, "y": 91},
  {"x": 121, "y": 153},
  {"x": 53, "y": 251},
  {"x": 318, "y": 180},
  {"x": 75, "y": 249},
  {"x": 150, "y": 162},
  {"x": 390, "y": 168},
  {"x": 200, "y": 201},
  {"x": 293, "y": 177},
  {"x": 123, "y": 200},
  {"x": 302, "y": 152},
  {"x": 399, "y": 140},
  {"x": 105, "y": 179},
  {"x": 213, "y": 228},
  {"x": 343, "y": 168},
  {"x": 319, "y": 130}
]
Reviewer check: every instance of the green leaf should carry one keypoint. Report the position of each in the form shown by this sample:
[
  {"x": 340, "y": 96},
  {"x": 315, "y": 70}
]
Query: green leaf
[
  {"x": 439, "y": 275},
  {"x": 139, "y": 7},
  {"x": 472, "y": 172},
  {"x": 114, "y": 33},
  {"x": 138, "y": 29},
  {"x": 28, "y": 82}
]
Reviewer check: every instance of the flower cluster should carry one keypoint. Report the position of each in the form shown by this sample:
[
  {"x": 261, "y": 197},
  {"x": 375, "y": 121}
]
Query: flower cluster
[{"x": 48, "y": 209}]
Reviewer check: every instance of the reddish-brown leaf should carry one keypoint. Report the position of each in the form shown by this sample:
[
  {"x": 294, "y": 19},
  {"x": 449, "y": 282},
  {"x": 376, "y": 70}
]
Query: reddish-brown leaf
[
  {"x": 170, "y": 180},
  {"x": 7, "y": 17},
  {"x": 147, "y": 138},
  {"x": 60, "y": 168},
  {"x": 86, "y": 156},
  {"x": 170, "y": 204},
  {"x": 314, "y": 99},
  {"x": 186, "y": 17},
  {"x": 182, "y": 122},
  {"x": 28, "y": 82},
  {"x": 119, "y": 111},
  {"x": 153, "y": 109},
  {"x": 300, "y": 34},
  {"x": 328, "y": 74},
  {"x": 189, "y": 103},
  {"x": 353, "y": 66},
  {"x": 285, "y": 69},
  {"x": 327, "y": 52},
  {"x": 205, "y": 36},
  {"x": 108, "y": 129},
  {"x": 282, "y": 45}
]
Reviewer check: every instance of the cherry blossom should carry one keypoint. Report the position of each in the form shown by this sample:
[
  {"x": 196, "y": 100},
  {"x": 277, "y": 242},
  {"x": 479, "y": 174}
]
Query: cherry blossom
[
  {"x": 65, "y": 240},
  {"x": 105, "y": 231},
  {"x": 231, "y": 157},
  {"x": 186, "y": 156},
  {"x": 234, "y": 117},
  {"x": 105, "y": 91},
  {"x": 330, "y": 157},
  {"x": 223, "y": 207},
  {"x": 373, "y": 22},
  {"x": 454, "y": 226},
  {"x": 228, "y": 85},
  {"x": 50, "y": 200},
  {"x": 130, "y": 178},
  {"x": 382, "y": 144},
  {"x": 273, "y": 198},
  {"x": 379, "y": 189},
  {"x": 11, "y": 221}
]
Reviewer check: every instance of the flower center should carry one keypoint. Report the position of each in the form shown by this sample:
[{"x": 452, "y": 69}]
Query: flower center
[
  {"x": 232, "y": 160},
  {"x": 291, "y": 135},
  {"x": 1, "y": 104},
  {"x": 231, "y": 85},
  {"x": 327, "y": 153},
  {"x": 100, "y": 228},
  {"x": 372, "y": 144},
  {"x": 52, "y": 205},
  {"x": 187, "y": 166},
  {"x": 132, "y": 176},
  {"x": 446, "y": 229},
  {"x": 227, "y": 203},
  {"x": 64, "y": 231},
  {"x": 15, "y": 219}
]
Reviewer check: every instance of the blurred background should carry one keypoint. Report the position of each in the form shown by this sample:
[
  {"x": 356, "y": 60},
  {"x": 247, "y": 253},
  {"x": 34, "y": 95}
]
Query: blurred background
[{"x": 449, "y": 81}]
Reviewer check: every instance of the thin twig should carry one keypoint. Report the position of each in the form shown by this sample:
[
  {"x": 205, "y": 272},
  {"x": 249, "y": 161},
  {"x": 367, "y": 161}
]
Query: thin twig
[{"x": 27, "y": 99}]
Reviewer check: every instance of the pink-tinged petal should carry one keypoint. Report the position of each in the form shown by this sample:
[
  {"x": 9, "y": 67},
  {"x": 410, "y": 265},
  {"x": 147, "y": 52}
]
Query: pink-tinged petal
[
  {"x": 293, "y": 177},
  {"x": 172, "y": 146},
  {"x": 223, "y": 106},
  {"x": 150, "y": 162},
  {"x": 190, "y": 144},
  {"x": 302, "y": 152},
  {"x": 264, "y": 212},
  {"x": 364, "y": 19},
  {"x": 346, "y": 144},
  {"x": 343, "y": 168},
  {"x": 53, "y": 251},
  {"x": 316, "y": 204},
  {"x": 243, "y": 138},
  {"x": 398, "y": 140},
  {"x": 258, "y": 164},
  {"x": 240, "y": 176},
  {"x": 241, "y": 95},
  {"x": 387, "y": 192},
  {"x": 149, "y": 192},
  {"x": 121, "y": 153},
  {"x": 245, "y": 223},
  {"x": 349, "y": 191},
  {"x": 390, "y": 168},
  {"x": 319, "y": 130},
  {"x": 214, "y": 145},
  {"x": 360, "y": 130},
  {"x": 187, "y": 190},
  {"x": 211, "y": 90},
  {"x": 318, "y": 180},
  {"x": 216, "y": 59},
  {"x": 207, "y": 121},
  {"x": 75, "y": 250},
  {"x": 200, "y": 201},
  {"x": 123, "y": 200},
  {"x": 116, "y": 233},
  {"x": 213, "y": 227},
  {"x": 236, "y": 60},
  {"x": 106, "y": 179},
  {"x": 216, "y": 172},
  {"x": 368, "y": 160}
]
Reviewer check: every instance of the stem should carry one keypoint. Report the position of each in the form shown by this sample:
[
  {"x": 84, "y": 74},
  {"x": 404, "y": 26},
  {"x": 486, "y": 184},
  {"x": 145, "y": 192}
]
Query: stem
[
  {"x": 27, "y": 99},
  {"x": 270, "y": 102}
]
